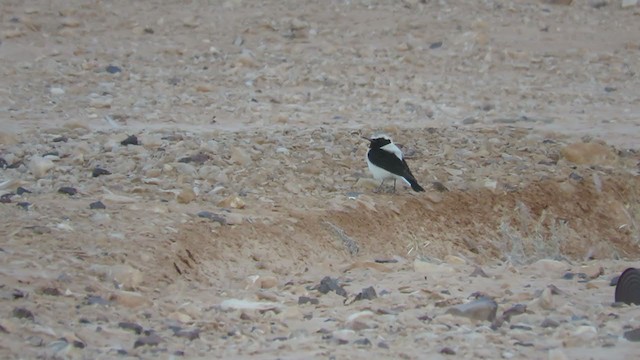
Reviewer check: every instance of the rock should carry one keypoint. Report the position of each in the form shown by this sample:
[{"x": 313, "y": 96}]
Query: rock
[
  {"x": 97, "y": 205},
  {"x": 232, "y": 202},
  {"x": 357, "y": 321},
  {"x": 22, "y": 313},
  {"x": 592, "y": 271},
  {"x": 447, "y": 351},
  {"x": 549, "y": 323},
  {"x": 129, "y": 299},
  {"x": 150, "y": 340},
  {"x": 483, "y": 309},
  {"x": 56, "y": 91},
  {"x": 588, "y": 154},
  {"x": 186, "y": 195},
  {"x": 632, "y": 335},
  {"x": 307, "y": 300},
  {"x": 268, "y": 282},
  {"x": 130, "y": 140},
  {"x": 112, "y": 69},
  {"x": 189, "y": 334},
  {"x": 67, "y": 190},
  {"x": 39, "y": 166},
  {"x": 516, "y": 309},
  {"x": 213, "y": 216},
  {"x": 343, "y": 336},
  {"x": 99, "y": 172},
  {"x": 545, "y": 301},
  {"x": 328, "y": 284},
  {"x": 478, "y": 272},
  {"x": 199, "y": 159},
  {"x": 234, "y": 219},
  {"x": 136, "y": 328}
]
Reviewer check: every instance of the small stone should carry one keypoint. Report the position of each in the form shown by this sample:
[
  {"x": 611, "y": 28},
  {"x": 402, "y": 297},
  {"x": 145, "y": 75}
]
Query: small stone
[
  {"x": 592, "y": 271},
  {"x": 99, "y": 172},
  {"x": 328, "y": 284},
  {"x": 632, "y": 335},
  {"x": 212, "y": 216},
  {"x": 549, "y": 323},
  {"x": 189, "y": 334},
  {"x": 136, "y": 328},
  {"x": 581, "y": 336},
  {"x": 268, "y": 282},
  {"x": 186, "y": 195},
  {"x": 447, "y": 351},
  {"x": 305, "y": 299},
  {"x": 60, "y": 139},
  {"x": 130, "y": 140},
  {"x": 483, "y": 309},
  {"x": 68, "y": 190},
  {"x": 151, "y": 340},
  {"x": 363, "y": 342},
  {"x": 51, "y": 291},
  {"x": 95, "y": 300},
  {"x": 39, "y": 166},
  {"x": 575, "y": 177},
  {"x": 112, "y": 69},
  {"x": 469, "y": 121},
  {"x": 367, "y": 294},
  {"x": 198, "y": 158},
  {"x": 97, "y": 205},
  {"x": 516, "y": 309},
  {"x": 23, "y": 313},
  {"x": 568, "y": 275},
  {"x": 6, "y": 198},
  {"x": 546, "y": 299},
  {"x": 20, "y": 190},
  {"x": 232, "y": 202}
]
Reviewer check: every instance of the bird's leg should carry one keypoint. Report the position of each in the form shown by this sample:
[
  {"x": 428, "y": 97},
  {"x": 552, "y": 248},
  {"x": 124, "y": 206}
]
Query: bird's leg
[
  {"x": 394, "y": 185},
  {"x": 379, "y": 187}
]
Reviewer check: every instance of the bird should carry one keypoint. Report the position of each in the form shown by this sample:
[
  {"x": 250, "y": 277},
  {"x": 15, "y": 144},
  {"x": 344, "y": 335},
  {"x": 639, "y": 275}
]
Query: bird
[{"x": 386, "y": 161}]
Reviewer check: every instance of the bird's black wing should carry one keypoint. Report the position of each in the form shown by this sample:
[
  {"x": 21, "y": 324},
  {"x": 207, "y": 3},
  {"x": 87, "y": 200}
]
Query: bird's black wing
[{"x": 393, "y": 164}]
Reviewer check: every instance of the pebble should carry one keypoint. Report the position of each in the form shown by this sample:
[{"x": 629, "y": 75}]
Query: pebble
[
  {"x": 23, "y": 313},
  {"x": 112, "y": 69},
  {"x": 97, "y": 205},
  {"x": 99, "y": 172},
  {"x": 483, "y": 309},
  {"x": 130, "y": 140},
  {"x": 56, "y": 91},
  {"x": 232, "y": 202},
  {"x": 20, "y": 191},
  {"x": 68, "y": 190},
  {"x": 150, "y": 340},
  {"x": 136, "y": 328},
  {"x": 186, "y": 195},
  {"x": 328, "y": 284},
  {"x": 307, "y": 300},
  {"x": 632, "y": 335}
]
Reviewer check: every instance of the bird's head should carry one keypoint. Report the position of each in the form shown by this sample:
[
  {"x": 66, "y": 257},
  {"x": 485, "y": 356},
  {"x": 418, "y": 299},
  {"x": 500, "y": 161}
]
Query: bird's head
[{"x": 378, "y": 141}]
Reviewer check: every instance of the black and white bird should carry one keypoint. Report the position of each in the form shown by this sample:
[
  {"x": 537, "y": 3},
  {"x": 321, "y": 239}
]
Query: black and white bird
[{"x": 386, "y": 161}]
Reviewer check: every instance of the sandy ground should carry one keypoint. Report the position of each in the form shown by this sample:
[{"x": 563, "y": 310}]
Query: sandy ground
[{"x": 210, "y": 235}]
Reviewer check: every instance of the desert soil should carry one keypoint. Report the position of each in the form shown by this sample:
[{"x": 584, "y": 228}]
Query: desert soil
[{"x": 241, "y": 221}]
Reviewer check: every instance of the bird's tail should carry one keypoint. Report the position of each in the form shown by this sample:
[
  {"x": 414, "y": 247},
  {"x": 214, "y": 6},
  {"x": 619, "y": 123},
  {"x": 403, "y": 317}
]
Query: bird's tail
[{"x": 414, "y": 184}]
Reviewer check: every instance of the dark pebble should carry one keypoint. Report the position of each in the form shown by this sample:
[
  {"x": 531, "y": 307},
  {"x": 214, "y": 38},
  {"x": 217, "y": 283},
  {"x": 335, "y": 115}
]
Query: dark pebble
[
  {"x": 632, "y": 335},
  {"x": 305, "y": 299},
  {"x": 122, "y": 352},
  {"x": 78, "y": 344},
  {"x": 280, "y": 338},
  {"x": 525, "y": 344},
  {"x": 25, "y": 205},
  {"x": 20, "y": 190},
  {"x": 22, "y": 313},
  {"x": 3, "y": 329},
  {"x": 84, "y": 321},
  {"x": 68, "y": 190},
  {"x": 447, "y": 351},
  {"x": 212, "y": 216},
  {"x": 3, "y": 163},
  {"x": 60, "y": 139},
  {"x": 190, "y": 334},
  {"x": 568, "y": 275},
  {"x": 386, "y": 261},
  {"x": 151, "y": 340},
  {"x": 18, "y": 294},
  {"x": 149, "y": 30},
  {"x": 363, "y": 342},
  {"x": 609, "y": 89},
  {"x": 516, "y": 309},
  {"x": 198, "y": 158},
  {"x": 425, "y": 318},
  {"x": 15, "y": 165},
  {"x": 99, "y": 171},
  {"x": 6, "y": 198},
  {"x": 520, "y": 327},
  {"x": 435, "y": 45},
  {"x": 383, "y": 345},
  {"x": 136, "y": 328},
  {"x": 51, "y": 153},
  {"x": 112, "y": 69},
  {"x": 328, "y": 284},
  {"x": 130, "y": 140},
  {"x": 96, "y": 300},
  {"x": 549, "y": 323},
  {"x": 97, "y": 205},
  {"x": 576, "y": 177},
  {"x": 367, "y": 294},
  {"x": 614, "y": 280}
]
